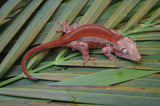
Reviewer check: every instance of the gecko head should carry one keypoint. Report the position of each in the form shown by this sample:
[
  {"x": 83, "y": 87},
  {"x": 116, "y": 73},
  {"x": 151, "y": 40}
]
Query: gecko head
[{"x": 128, "y": 49}]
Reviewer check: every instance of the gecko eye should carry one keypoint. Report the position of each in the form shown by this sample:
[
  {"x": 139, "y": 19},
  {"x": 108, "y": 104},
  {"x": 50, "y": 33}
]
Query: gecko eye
[{"x": 124, "y": 51}]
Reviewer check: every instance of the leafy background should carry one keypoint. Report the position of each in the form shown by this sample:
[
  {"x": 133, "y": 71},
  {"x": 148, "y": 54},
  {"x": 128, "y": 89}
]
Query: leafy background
[{"x": 63, "y": 81}]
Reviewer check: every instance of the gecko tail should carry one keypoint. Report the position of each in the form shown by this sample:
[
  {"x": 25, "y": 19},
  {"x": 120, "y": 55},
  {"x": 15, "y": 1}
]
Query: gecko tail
[
  {"x": 34, "y": 51},
  {"x": 24, "y": 61}
]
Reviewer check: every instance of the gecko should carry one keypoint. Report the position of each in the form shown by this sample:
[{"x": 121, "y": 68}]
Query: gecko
[{"x": 85, "y": 37}]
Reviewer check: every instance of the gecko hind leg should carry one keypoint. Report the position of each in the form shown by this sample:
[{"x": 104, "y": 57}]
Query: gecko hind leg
[{"x": 83, "y": 48}]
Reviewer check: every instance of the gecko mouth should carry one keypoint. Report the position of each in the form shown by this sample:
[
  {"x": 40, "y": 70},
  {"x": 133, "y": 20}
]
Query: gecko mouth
[{"x": 133, "y": 58}]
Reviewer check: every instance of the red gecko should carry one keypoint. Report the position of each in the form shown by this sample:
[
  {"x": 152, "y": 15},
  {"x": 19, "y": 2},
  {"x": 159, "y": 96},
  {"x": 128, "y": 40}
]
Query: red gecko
[{"x": 89, "y": 36}]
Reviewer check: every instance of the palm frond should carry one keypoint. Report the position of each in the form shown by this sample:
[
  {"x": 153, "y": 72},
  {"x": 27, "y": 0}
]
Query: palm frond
[{"x": 61, "y": 73}]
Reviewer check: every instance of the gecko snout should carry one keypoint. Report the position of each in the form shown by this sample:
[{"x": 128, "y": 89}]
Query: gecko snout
[{"x": 138, "y": 58}]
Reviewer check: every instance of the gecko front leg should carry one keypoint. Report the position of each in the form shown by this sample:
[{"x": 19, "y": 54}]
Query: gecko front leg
[
  {"x": 107, "y": 51},
  {"x": 66, "y": 27},
  {"x": 83, "y": 48}
]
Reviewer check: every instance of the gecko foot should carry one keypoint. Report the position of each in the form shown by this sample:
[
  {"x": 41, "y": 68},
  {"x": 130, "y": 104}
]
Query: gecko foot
[{"x": 90, "y": 58}]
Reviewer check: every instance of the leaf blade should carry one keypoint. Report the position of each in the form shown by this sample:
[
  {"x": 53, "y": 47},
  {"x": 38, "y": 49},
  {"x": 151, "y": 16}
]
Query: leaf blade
[
  {"x": 94, "y": 11},
  {"x": 7, "y": 8},
  {"x": 10, "y": 32},
  {"x": 120, "y": 13},
  {"x": 147, "y": 5},
  {"x": 83, "y": 96},
  {"x": 28, "y": 36},
  {"x": 106, "y": 78}
]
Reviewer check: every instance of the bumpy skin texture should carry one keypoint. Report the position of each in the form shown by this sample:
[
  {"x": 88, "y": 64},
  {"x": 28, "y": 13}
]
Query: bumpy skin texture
[{"x": 89, "y": 36}]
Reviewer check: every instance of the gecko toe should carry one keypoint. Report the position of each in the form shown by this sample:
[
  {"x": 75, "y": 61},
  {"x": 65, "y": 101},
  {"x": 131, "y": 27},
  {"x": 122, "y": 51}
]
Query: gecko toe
[{"x": 90, "y": 58}]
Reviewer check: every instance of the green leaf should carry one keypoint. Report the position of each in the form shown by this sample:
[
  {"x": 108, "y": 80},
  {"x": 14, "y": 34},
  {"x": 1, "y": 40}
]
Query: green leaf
[
  {"x": 120, "y": 13},
  {"x": 88, "y": 94},
  {"x": 55, "y": 76},
  {"x": 155, "y": 15},
  {"x": 145, "y": 36},
  {"x": 108, "y": 12},
  {"x": 94, "y": 11},
  {"x": 28, "y": 35},
  {"x": 147, "y": 5},
  {"x": 106, "y": 78},
  {"x": 11, "y": 31},
  {"x": 38, "y": 103},
  {"x": 144, "y": 64},
  {"x": 7, "y": 8}
]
